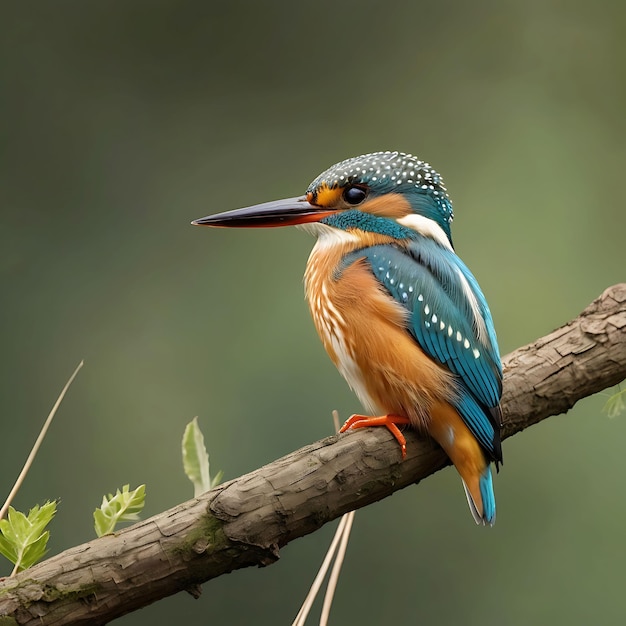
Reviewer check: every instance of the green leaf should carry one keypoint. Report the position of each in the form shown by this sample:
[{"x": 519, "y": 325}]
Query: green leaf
[
  {"x": 23, "y": 538},
  {"x": 196, "y": 459},
  {"x": 124, "y": 506},
  {"x": 616, "y": 404}
]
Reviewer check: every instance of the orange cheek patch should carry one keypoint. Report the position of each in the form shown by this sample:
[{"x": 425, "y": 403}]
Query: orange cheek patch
[
  {"x": 390, "y": 205},
  {"x": 325, "y": 196}
]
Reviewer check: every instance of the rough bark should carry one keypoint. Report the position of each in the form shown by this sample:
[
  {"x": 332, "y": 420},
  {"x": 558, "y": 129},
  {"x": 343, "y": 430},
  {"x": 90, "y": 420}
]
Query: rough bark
[{"x": 247, "y": 520}]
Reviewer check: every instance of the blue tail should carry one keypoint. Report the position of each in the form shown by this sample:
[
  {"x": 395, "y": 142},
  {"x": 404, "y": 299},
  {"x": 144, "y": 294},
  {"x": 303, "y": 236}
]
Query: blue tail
[{"x": 488, "y": 498}]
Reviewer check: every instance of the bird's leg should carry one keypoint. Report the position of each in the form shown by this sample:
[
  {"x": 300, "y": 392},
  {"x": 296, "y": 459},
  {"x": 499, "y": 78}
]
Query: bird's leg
[{"x": 389, "y": 421}]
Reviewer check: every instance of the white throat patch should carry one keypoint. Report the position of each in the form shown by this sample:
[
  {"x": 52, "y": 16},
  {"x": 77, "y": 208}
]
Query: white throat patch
[{"x": 327, "y": 236}]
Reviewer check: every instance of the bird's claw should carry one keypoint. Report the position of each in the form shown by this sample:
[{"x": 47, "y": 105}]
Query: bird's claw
[{"x": 389, "y": 421}]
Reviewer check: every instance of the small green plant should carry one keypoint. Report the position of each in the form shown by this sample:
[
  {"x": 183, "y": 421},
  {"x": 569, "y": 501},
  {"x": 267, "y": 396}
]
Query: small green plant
[
  {"x": 196, "y": 459},
  {"x": 124, "y": 506},
  {"x": 23, "y": 538}
]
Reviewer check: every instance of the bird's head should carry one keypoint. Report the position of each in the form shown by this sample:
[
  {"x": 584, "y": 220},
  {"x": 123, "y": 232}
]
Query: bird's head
[{"x": 387, "y": 193}]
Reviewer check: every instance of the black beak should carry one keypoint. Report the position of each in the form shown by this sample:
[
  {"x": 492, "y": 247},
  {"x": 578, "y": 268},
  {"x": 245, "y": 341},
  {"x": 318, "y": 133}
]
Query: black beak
[{"x": 278, "y": 213}]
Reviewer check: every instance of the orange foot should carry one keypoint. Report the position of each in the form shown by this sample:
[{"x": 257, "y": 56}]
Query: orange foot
[{"x": 390, "y": 421}]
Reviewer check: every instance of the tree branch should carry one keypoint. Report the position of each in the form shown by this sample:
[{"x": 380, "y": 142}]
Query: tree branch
[{"x": 247, "y": 520}]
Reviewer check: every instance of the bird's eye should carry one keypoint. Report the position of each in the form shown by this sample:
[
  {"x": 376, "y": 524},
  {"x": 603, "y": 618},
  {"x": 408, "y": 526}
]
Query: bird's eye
[{"x": 354, "y": 195}]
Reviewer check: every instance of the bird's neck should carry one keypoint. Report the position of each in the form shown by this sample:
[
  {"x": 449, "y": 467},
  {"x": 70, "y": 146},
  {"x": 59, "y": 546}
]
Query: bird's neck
[{"x": 331, "y": 248}]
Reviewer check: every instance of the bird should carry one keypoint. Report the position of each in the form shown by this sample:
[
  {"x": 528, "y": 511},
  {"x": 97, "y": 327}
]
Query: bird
[{"x": 399, "y": 313}]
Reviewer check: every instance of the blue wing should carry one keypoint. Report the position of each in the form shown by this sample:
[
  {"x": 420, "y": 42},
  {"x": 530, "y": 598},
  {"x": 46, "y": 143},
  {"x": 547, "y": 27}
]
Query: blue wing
[{"x": 450, "y": 320}]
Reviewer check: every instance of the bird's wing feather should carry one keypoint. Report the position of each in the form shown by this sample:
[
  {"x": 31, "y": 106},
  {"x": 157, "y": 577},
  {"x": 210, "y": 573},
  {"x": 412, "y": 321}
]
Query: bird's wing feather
[{"x": 450, "y": 320}]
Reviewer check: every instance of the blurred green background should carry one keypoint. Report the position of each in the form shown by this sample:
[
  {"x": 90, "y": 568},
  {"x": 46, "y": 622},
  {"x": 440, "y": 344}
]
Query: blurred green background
[{"x": 123, "y": 121}]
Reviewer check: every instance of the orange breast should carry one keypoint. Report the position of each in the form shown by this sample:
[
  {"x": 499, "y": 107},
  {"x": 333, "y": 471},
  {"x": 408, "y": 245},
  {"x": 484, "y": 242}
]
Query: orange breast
[{"x": 365, "y": 333}]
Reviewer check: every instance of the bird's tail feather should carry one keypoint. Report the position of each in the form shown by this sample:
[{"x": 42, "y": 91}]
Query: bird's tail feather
[{"x": 488, "y": 500}]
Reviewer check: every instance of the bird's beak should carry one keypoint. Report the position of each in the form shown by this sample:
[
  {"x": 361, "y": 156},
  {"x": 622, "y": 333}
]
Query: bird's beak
[{"x": 286, "y": 212}]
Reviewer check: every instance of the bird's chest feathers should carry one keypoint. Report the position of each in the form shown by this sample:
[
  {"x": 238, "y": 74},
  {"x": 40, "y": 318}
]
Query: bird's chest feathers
[
  {"x": 321, "y": 288},
  {"x": 347, "y": 305}
]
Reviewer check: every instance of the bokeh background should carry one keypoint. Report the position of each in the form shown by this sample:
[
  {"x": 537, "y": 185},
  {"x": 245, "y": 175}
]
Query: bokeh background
[{"x": 123, "y": 121}]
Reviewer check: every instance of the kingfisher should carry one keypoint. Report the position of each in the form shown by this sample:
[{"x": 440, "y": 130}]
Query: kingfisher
[{"x": 399, "y": 313}]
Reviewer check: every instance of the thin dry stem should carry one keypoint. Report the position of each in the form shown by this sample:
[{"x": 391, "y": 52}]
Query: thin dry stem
[
  {"x": 340, "y": 542},
  {"x": 334, "y": 575},
  {"x": 37, "y": 445},
  {"x": 321, "y": 574}
]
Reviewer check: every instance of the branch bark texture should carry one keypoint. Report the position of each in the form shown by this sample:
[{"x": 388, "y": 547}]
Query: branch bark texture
[{"x": 247, "y": 520}]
